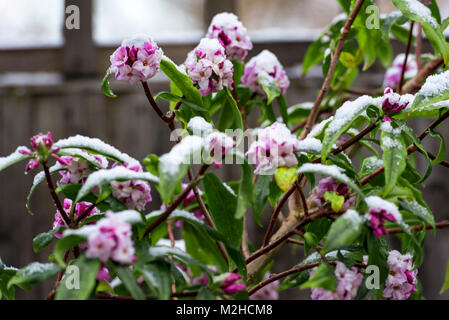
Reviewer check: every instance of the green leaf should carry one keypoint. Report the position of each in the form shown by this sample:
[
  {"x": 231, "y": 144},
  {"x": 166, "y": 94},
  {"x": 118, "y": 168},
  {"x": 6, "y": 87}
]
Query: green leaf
[
  {"x": 343, "y": 120},
  {"x": 158, "y": 278},
  {"x": 5, "y": 275},
  {"x": 64, "y": 244},
  {"x": 348, "y": 60},
  {"x": 430, "y": 25},
  {"x": 13, "y": 158},
  {"x": 270, "y": 86},
  {"x": 246, "y": 187},
  {"x": 377, "y": 255},
  {"x": 106, "y": 176},
  {"x": 418, "y": 210},
  {"x": 446, "y": 281},
  {"x": 388, "y": 22},
  {"x": 127, "y": 276},
  {"x": 261, "y": 192},
  {"x": 236, "y": 114},
  {"x": 182, "y": 81},
  {"x": 239, "y": 68},
  {"x": 285, "y": 177},
  {"x": 313, "y": 56},
  {"x": 370, "y": 165},
  {"x": 335, "y": 199},
  {"x": 283, "y": 109},
  {"x": 151, "y": 163},
  {"x": 105, "y": 86},
  {"x": 42, "y": 240},
  {"x": 323, "y": 277},
  {"x": 345, "y": 230},
  {"x": 205, "y": 294},
  {"x": 442, "y": 151},
  {"x": 34, "y": 273},
  {"x": 174, "y": 98},
  {"x": 394, "y": 157},
  {"x": 86, "y": 273}
]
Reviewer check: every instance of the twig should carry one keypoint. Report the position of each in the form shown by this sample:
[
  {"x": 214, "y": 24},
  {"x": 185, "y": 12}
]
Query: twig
[
  {"x": 177, "y": 202},
  {"x": 335, "y": 57},
  {"x": 418, "y": 47},
  {"x": 407, "y": 52},
  {"x": 167, "y": 119},
  {"x": 440, "y": 225},
  {"x": 56, "y": 200},
  {"x": 245, "y": 247}
]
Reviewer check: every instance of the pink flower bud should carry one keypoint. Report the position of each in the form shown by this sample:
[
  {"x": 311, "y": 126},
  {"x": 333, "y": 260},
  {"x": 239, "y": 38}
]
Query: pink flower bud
[
  {"x": 234, "y": 288},
  {"x": 41, "y": 142},
  {"x": 392, "y": 103}
]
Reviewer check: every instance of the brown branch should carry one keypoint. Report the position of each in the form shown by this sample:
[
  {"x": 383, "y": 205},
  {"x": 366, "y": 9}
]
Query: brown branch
[
  {"x": 440, "y": 225},
  {"x": 167, "y": 119},
  {"x": 335, "y": 57},
  {"x": 407, "y": 52},
  {"x": 413, "y": 85},
  {"x": 177, "y": 202},
  {"x": 295, "y": 241},
  {"x": 53, "y": 194},
  {"x": 418, "y": 47}
]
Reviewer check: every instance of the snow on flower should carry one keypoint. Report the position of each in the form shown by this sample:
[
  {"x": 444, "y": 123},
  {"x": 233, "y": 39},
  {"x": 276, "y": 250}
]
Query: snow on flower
[
  {"x": 392, "y": 102},
  {"x": 209, "y": 68},
  {"x": 111, "y": 239},
  {"x": 135, "y": 194},
  {"x": 393, "y": 74},
  {"x": 232, "y": 35},
  {"x": 274, "y": 148},
  {"x": 137, "y": 59},
  {"x": 377, "y": 219},
  {"x": 267, "y": 65},
  {"x": 331, "y": 185},
  {"x": 401, "y": 281},
  {"x": 217, "y": 145},
  {"x": 269, "y": 292},
  {"x": 349, "y": 281},
  {"x": 81, "y": 212}
]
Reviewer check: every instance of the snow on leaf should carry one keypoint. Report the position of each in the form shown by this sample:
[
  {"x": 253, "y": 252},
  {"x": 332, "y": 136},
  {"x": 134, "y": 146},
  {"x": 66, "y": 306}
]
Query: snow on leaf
[{"x": 13, "y": 158}]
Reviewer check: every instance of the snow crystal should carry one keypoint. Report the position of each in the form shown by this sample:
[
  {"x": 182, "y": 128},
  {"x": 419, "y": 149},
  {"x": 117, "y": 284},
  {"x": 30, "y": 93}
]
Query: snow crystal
[
  {"x": 389, "y": 143},
  {"x": 309, "y": 145},
  {"x": 318, "y": 128},
  {"x": 353, "y": 217},
  {"x": 375, "y": 202},
  {"x": 386, "y": 127},
  {"x": 349, "y": 110},
  {"x": 373, "y": 163},
  {"x": 419, "y": 9},
  {"x": 84, "y": 231},
  {"x": 129, "y": 216},
  {"x": 118, "y": 173},
  {"x": 81, "y": 154},
  {"x": 332, "y": 171},
  {"x": 13, "y": 157},
  {"x": 97, "y": 145},
  {"x": 199, "y": 126},
  {"x": 435, "y": 85},
  {"x": 229, "y": 189},
  {"x": 180, "y": 154}
]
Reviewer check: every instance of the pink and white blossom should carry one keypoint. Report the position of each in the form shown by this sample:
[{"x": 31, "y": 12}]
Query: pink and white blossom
[
  {"x": 377, "y": 218},
  {"x": 111, "y": 239},
  {"x": 348, "y": 283},
  {"x": 81, "y": 211},
  {"x": 274, "y": 148},
  {"x": 137, "y": 59},
  {"x": 135, "y": 194},
  {"x": 78, "y": 169},
  {"x": 392, "y": 102},
  {"x": 233, "y": 36},
  {"x": 331, "y": 185},
  {"x": 209, "y": 68},
  {"x": 401, "y": 281},
  {"x": 394, "y": 73},
  {"x": 266, "y": 65}
]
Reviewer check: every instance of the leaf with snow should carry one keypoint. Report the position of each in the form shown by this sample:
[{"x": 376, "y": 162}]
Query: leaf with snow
[
  {"x": 13, "y": 158},
  {"x": 343, "y": 119},
  {"x": 270, "y": 86},
  {"x": 370, "y": 165},
  {"x": 34, "y": 273},
  {"x": 105, "y": 176},
  {"x": 394, "y": 155},
  {"x": 434, "y": 90},
  {"x": 105, "y": 86},
  {"x": 345, "y": 230},
  {"x": 330, "y": 171},
  {"x": 377, "y": 203},
  {"x": 77, "y": 153},
  {"x": 418, "y": 210},
  {"x": 173, "y": 166},
  {"x": 309, "y": 145},
  {"x": 38, "y": 178},
  {"x": 416, "y": 11},
  {"x": 95, "y": 145}
]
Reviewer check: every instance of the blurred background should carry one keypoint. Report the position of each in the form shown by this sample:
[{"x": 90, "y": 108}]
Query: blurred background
[{"x": 50, "y": 81}]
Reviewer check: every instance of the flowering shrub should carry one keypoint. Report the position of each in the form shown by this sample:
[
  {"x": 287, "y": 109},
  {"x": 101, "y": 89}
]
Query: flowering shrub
[{"x": 344, "y": 164}]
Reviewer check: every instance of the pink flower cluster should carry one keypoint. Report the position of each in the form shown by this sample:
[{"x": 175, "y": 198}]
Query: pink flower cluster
[
  {"x": 265, "y": 64},
  {"x": 402, "y": 280},
  {"x": 111, "y": 239},
  {"x": 274, "y": 148},
  {"x": 42, "y": 145},
  {"x": 349, "y": 282},
  {"x": 81, "y": 209},
  {"x": 218, "y": 145},
  {"x": 377, "y": 219},
  {"x": 78, "y": 169},
  {"x": 394, "y": 73},
  {"x": 135, "y": 194},
  {"x": 208, "y": 67},
  {"x": 269, "y": 292},
  {"x": 230, "y": 285},
  {"x": 137, "y": 59},
  {"x": 233, "y": 36},
  {"x": 392, "y": 102},
  {"x": 188, "y": 200},
  {"x": 331, "y": 185}
]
